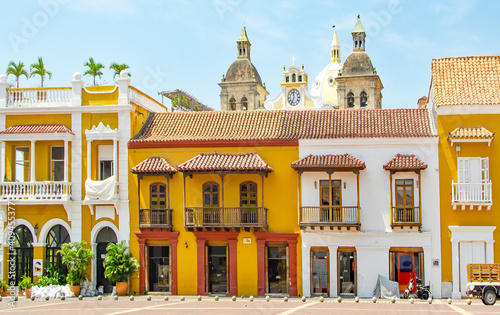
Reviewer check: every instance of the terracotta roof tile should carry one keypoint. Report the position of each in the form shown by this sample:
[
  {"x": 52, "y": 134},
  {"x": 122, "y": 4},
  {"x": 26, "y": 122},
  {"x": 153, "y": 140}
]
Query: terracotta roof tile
[
  {"x": 250, "y": 162},
  {"x": 37, "y": 128},
  {"x": 471, "y": 133},
  {"x": 405, "y": 162},
  {"x": 282, "y": 125},
  {"x": 329, "y": 161},
  {"x": 466, "y": 80},
  {"x": 153, "y": 165}
]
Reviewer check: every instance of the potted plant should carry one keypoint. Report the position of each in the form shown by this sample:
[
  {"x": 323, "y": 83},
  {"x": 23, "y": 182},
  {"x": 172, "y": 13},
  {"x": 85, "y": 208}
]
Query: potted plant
[
  {"x": 4, "y": 286},
  {"x": 25, "y": 285},
  {"x": 76, "y": 258},
  {"x": 119, "y": 265}
]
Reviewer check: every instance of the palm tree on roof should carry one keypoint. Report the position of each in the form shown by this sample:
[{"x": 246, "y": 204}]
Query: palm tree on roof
[
  {"x": 117, "y": 68},
  {"x": 39, "y": 69},
  {"x": 94, "y": 69},
  {"x": 17, "y": 70}
]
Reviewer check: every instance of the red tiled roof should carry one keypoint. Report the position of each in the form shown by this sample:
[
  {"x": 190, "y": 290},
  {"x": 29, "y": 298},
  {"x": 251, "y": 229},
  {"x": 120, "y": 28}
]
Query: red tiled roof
[
  {"x": 153, "y": 165},
  {"x": 37, "y": 128},
  {"x": 178, "y": 128},
  {"x": 471, "y": 133},
  {"x": 329, "y": 161},
  {"x": 250, "y": 162},
  {"x": 405, "y": 162},
  {"x": 466, "y": 80}
]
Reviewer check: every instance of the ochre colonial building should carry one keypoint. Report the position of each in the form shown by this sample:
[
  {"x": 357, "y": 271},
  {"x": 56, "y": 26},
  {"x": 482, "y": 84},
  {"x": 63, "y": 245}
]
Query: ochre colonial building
[{"x": 464, "y": 99}]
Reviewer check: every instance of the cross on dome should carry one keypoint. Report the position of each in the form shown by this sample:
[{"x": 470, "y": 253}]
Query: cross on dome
[{"x": 293, "y": 60}]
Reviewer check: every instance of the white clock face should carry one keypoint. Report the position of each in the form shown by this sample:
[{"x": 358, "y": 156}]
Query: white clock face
[{"x": 294, "y": 97}]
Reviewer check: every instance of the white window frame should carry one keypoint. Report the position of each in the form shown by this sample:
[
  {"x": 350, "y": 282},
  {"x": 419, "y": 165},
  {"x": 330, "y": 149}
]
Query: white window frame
[
  {"x": 22, "y": 163},
  {"x": 105, "y": 155}
]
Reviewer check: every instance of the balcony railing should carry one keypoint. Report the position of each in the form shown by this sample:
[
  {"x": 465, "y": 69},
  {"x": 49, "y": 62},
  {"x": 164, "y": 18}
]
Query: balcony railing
[
  {"x": 35, "y": 191},
  {"x": 38, "y": 96},
  {"x": 472, "y": 193},
  {"x": 155, "y": 218},
  {"x": 329, "y": 216},
  {"x": 145, "y": 100},
  {"x": 406, "y": 216},
  {"x": 227, "y": 217}
]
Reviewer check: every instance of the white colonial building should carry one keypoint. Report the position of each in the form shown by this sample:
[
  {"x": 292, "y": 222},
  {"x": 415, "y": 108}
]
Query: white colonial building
[{"x": 369, "y": 203}]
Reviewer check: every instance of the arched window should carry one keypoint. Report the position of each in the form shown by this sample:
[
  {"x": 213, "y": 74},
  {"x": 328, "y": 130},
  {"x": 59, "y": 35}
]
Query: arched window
[
  {"x": 244, "y": 103},
  {"x": 232, "y": 104},
  {"x": 300, "y": 78},
  {"x": 211, "y": 194},
  {"x": 158, "y": 196},
  {"x": 350, "y": 99},
  {"x": 57, "y": 236},
  {"x": 294, "y": 77},
  {"x": 22, "y": 252},
  {"x": 287, "y": 79},
  {"x": 248, "y": 194},
  {"x": 363, "y": 98}
]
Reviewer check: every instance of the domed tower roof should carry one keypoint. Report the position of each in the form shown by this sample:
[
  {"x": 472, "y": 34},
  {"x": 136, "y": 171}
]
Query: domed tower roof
[
  {"x": 242, "y": 70},
  {"x": 357, "y": 63}
]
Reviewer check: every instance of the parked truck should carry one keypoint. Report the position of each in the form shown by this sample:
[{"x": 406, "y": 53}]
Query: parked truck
[{"x": 483, "y": 280}]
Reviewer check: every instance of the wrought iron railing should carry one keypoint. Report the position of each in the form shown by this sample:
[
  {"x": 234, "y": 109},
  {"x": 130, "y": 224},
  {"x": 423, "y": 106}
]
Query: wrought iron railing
[{"x": 233, "y": 217}]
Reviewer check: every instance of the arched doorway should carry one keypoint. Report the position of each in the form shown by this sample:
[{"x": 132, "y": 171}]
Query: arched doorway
[
  {"x": 105, "y": 236},
  {"x": 56, "y": 236},
  {"x": 23, "y": 252}
]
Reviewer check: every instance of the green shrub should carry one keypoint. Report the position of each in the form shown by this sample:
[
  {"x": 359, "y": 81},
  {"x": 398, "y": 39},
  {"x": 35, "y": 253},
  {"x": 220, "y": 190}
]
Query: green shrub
[
  {"x": 25, "y": 283},
  {"x": 3, "y": 285},
  {"x": 119, "y": 263},
  {"x": 77, "y": 259}
]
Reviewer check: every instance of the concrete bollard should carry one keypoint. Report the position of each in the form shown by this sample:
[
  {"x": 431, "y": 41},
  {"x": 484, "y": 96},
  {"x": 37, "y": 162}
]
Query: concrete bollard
[
  {"x": 449, "y": 300},
  {"x": 80, "y": 297},
  {"x": 32, "y": 298},
  {"x": 165, "y": 299},
  {"x": 47, "y": 298},
  {"x": 131, "y": 298},
  {"x": 393, "y": 299},
  {"x": 339, "y": 299},
  {"x": 285, "y": 299},
  {"x": 429, "y": 300},
  {"x": 304, "y": 299},
  {"x": 356, "y": 299},
  {"x": 63, "y": 298},
  {"x": 412, "y": 301},
  {"x": 115, "y": 298},
  {"x": 199, "y": 298},
  {"x": 148, "y": 298},
  {"x": 469, "y": 301},
  {"x": 233, "y": 298},
  {"x": 321, "y": 299},
  {"x": 183, "y": 298},
  {"x": 216, "y": 299},
  {"x": 268, "y": 298},
  {"x": 374, "y": 299},
  {"x": 99, "y": 298},
  {"x": 251, "y": 298}
]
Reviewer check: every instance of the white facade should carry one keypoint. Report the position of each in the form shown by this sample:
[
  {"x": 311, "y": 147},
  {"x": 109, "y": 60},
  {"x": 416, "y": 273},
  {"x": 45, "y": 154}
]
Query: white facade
[{"x": 375, "y": 238}]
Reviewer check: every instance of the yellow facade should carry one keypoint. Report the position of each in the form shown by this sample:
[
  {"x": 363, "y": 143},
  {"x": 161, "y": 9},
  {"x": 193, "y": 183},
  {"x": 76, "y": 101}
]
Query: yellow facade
[
  {"x": 280, "y": 197},
  {"x": 448, "y": 172}
]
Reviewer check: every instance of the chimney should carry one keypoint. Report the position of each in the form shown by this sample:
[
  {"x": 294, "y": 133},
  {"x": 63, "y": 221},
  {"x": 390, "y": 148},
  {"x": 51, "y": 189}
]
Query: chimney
[{"x": 422, "y": 102}]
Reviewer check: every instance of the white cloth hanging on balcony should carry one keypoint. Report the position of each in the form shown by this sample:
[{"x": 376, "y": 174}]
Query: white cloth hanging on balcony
[{"x": 100, "y": 190}]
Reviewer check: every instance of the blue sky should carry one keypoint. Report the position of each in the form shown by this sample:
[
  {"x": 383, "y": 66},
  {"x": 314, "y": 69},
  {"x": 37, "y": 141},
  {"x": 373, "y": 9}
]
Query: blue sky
[{"x": 189, "y": 45}]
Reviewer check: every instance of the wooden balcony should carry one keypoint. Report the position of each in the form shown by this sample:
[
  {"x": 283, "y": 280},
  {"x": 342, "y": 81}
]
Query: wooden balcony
[
  {"x": 406, "y": 217},
  {"x": 335, "y": 217},
  {"x": 225, "y": 218},
  {"x": 471, "y": 194},
  {"x": 35, "y": 192},
  {"x": 155, "y": 218}
]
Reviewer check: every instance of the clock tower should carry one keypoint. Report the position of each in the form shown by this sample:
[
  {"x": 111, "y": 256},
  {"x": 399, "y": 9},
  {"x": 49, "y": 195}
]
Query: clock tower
[{"x": 294, "y": 93}]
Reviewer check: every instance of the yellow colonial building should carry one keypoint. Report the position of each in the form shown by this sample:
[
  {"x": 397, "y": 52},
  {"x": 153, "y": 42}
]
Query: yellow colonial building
[
  {"x": 217, "y": 204},
  {"x": 64, "y": 171},
  {"x": 464, "y": 98}
]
